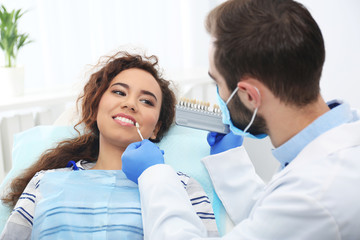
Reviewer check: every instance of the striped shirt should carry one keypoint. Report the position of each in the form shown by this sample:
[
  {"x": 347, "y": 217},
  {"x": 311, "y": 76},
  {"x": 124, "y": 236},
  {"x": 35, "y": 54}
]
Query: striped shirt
[{"x": 20, "y": 222}]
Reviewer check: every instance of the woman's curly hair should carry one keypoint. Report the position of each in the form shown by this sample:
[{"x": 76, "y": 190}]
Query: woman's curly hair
[{"x": 86, "y": 145}]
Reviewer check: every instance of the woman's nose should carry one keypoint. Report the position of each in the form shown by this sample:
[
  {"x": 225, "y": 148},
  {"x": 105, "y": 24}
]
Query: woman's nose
[{"x": 129, "y": 104}]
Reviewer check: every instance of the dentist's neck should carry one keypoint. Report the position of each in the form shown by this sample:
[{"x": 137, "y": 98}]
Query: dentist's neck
[{"x": 285, "y": 121}]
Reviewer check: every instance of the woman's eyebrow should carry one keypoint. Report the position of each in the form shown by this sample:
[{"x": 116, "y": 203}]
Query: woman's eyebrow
[
  {"x": 149, "y": 93},
  {"x": 142, "y": 91}
]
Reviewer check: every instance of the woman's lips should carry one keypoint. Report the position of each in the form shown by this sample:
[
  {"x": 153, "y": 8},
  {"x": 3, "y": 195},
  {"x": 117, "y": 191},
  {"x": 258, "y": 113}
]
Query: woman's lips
[{"x": 124, "y": 120}]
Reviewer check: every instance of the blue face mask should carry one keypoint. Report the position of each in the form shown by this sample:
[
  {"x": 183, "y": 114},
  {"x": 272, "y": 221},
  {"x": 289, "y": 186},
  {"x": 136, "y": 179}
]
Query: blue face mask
[{"x": 227, "y": 120}]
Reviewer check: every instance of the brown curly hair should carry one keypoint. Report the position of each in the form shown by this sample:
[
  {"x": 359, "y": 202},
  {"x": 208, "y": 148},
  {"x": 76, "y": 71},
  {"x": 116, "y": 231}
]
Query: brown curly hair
[{"x": 86, "y": 145}]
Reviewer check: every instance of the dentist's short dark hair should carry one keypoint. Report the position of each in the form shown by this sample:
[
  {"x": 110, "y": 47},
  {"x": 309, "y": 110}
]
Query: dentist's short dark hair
[{"x": 275, "y": 41}]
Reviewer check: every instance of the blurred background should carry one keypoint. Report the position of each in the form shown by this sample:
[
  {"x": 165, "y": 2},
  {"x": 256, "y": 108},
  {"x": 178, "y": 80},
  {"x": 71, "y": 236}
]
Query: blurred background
[{"x": 69, "y": 36}]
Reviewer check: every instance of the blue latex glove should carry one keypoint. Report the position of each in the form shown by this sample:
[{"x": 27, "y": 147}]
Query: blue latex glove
[
  {"x": 139, "y": 156},
  {"x": 220, "y": 142}
]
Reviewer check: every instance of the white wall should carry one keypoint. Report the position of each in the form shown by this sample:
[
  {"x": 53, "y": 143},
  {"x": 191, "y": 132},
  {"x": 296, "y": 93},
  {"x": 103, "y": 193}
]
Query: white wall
[
  {"x": 340, "y": 25},
  {"x": 69, "y": 35}
]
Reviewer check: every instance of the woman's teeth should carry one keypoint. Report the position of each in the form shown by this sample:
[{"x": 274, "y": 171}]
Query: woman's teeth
[{"x": 125, "y": 120}]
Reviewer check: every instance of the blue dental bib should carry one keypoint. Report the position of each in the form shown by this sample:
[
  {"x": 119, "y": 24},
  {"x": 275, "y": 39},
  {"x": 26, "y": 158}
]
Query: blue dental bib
[{"x": 91, "y": 204}]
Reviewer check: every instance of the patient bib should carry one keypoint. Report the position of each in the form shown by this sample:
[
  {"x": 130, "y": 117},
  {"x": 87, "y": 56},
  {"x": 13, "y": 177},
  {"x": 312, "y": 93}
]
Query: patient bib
[{"x": 91, "y": 204}]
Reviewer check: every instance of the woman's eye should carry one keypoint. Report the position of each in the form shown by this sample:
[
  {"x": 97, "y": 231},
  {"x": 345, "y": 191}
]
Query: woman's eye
[
  {"x": 118, "y": 92},
  {"x": 148, "y": 102}
]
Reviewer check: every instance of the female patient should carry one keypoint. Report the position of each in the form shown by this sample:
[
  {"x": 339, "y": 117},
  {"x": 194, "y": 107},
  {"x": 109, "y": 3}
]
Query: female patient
[{"x": 55, "y": 199}]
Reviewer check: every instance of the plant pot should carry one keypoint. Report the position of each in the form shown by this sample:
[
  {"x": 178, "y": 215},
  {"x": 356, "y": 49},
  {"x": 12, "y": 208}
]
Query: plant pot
[{"x": 11, "y": 82}]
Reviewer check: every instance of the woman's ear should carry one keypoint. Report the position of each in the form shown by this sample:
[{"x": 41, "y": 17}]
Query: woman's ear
[
  {"x": 156, "y": 130},
  {"x": 249, "y": 94}
]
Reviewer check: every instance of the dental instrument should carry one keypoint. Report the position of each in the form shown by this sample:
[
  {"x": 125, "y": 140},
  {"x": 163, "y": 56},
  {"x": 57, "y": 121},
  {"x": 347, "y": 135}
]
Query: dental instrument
[{"x": 138, "y": 130}]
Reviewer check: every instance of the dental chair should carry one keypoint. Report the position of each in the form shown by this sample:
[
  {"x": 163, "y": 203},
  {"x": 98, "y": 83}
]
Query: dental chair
[{"x": 184, "y": 148}]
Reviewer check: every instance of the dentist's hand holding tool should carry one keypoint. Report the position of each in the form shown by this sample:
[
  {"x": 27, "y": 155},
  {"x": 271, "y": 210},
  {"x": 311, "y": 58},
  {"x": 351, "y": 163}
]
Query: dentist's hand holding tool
[
  {"x": 139, "y": 156},
  {"x": 221, "y": 142}
]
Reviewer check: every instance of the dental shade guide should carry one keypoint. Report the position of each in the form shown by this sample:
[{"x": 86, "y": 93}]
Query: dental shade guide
[{"x": 200, "y": 115}]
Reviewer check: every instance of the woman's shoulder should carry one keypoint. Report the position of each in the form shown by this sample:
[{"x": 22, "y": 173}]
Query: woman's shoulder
[
  {"x": 80, "y": 165},
  {"x": 184, "y": 179},
  {"x": 194, "y": 189},
  {"x": 39, "y": 175},
  {"x": 36, "y": 179},
  {"x": 191, "y": 185},
  {"x": 200, "y": 202}
]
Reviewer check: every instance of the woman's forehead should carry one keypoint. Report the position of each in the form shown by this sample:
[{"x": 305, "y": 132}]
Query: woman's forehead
[{"x": 138, "y": 79}]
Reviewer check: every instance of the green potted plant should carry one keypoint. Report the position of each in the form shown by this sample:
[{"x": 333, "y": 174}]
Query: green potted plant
[{"x": 11, "y": 41}]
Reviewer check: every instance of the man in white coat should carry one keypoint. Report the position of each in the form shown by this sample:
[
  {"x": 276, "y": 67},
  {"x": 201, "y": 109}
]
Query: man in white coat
[{"x": 266, "y": 57}]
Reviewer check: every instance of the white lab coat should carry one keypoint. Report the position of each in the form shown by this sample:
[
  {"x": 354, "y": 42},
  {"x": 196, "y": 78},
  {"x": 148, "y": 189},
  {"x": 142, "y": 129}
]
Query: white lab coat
[{"x": 315, "y": 197}]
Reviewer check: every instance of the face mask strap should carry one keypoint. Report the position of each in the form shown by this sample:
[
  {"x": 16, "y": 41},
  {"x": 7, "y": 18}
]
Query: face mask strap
[
  {"x": 232, "y": 94},
  {"x": 251, "y": 121},
  {"x": 255, "y": 111},
  {"x": 235, "y": 91},
  {"x": 254, "y": 114}
]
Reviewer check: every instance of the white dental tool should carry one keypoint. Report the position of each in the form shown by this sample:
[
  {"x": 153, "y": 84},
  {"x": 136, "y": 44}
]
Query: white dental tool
[{"x": 138, "y": 130}]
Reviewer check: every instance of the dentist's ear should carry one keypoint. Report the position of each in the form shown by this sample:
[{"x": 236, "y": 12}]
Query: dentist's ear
[{"x": 249, "y": 94}]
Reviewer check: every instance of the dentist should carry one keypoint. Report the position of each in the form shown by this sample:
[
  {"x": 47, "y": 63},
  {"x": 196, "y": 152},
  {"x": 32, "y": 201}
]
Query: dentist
[{"x": 266, "y": 57}]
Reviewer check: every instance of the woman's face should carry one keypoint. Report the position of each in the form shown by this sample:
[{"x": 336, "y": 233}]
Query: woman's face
[{"x": 133, "y": 96}]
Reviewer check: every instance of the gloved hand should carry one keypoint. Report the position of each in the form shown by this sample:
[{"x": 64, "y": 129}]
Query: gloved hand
[
  {"x": 220, "y": 142},
  {"x": 139, "y": 156}
]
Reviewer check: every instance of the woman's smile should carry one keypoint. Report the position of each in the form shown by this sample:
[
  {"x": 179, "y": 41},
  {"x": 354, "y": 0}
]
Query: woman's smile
[{"x": 124, "y": 120}]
